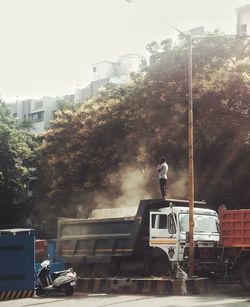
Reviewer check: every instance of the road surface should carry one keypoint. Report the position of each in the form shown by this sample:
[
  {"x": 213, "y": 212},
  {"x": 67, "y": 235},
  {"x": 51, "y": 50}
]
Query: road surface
[{"x": 231, "y": 296}]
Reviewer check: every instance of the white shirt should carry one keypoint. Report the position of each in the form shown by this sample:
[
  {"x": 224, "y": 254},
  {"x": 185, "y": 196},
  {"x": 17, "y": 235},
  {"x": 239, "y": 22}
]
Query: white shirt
[{"x": 163, "y": 170}]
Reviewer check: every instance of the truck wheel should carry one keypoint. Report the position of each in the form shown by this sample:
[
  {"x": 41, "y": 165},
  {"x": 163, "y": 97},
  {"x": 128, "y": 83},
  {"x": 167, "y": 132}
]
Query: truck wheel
[
  {"x": 245, "y": 275},
  {"x": 161, "y": 269}
]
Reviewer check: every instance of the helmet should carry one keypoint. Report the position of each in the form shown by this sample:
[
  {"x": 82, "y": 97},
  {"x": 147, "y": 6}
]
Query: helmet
[{"x": 45, "y": 264}]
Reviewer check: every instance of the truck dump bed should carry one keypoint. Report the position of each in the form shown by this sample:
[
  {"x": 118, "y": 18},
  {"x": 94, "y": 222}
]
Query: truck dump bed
[
  {"x": 234, "y": 227},
  {"x": 80, "y": 240}
]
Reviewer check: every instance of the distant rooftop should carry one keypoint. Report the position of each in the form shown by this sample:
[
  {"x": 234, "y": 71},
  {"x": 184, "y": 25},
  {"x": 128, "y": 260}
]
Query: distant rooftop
[
  {"x": 243, "y": 8},
  {"x": 120, "y": 58}
]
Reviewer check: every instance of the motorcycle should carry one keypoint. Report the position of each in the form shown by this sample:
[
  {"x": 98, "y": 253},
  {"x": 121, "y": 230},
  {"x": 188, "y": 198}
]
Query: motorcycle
[{"x": 61, "y": 281}]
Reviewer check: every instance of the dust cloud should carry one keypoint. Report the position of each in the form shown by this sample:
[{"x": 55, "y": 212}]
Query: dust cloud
[
  {"x": 132, "y": 183},
  {"x": 178, "y": 185},
  {"x": 127, "y": 187}
]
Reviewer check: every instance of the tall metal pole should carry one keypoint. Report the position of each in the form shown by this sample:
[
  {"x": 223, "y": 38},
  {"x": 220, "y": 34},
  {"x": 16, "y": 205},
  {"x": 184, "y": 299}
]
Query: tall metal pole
[{"x": 191, "y": 162}]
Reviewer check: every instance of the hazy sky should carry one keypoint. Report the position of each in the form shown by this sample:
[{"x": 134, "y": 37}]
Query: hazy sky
[{"x": 48, "y": 46}]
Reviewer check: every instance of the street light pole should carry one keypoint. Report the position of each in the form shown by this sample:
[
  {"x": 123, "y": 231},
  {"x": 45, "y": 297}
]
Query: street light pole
[{"x": 191, "y": 159}]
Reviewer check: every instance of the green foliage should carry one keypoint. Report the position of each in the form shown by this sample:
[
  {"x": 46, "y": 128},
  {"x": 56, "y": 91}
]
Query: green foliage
[
  {"x": 17, "y": 156},
  {"x": 26, "y": 124},
  {"x": 66, "y": 105},
  {"x": 136, "y": 123}
]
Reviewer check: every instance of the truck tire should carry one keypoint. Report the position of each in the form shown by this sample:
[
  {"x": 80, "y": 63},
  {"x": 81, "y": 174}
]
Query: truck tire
[
  {"x": 245, "y": 275},
  {"x": 161, "y": 269}
]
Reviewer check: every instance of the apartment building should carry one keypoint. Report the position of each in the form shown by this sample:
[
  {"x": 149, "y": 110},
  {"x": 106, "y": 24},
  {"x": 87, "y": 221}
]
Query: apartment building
[
  {"x": 243, "y": 20},
  {"x": 38, "y": 111},
  {"x": 106, "y": 72}
]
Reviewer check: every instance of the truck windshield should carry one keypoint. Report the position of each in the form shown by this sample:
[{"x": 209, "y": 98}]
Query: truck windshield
[{"x": 202, "y": 223}]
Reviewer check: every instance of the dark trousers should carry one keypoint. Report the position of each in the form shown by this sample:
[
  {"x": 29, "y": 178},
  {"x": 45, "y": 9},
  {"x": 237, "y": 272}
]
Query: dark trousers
[{"x": 163, "y": 187}]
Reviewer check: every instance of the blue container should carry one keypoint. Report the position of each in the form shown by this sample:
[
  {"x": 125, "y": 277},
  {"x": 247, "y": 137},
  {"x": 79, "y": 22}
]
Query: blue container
[
  {"x": 17, "y": 259},
  {"x": 52, "y": 251}
]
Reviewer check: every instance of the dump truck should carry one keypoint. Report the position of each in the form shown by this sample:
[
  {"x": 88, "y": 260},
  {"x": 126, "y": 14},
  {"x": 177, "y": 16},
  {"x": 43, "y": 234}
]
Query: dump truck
[
  {"x": 235, "y": 238},
  {"x": 152, "y": 241}
]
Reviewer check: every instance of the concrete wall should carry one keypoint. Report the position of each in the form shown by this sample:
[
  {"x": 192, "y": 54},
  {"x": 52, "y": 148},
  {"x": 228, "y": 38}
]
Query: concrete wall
[
  {"x": 82, "y": 94},
  {"x": 103, "y": 70},
  {"x": 123, "y": 67},
  {"x": 38, "y": 127},
  {"x": 128, "y": 64},
  {"x": 243, "y": 19},
  {"x": 50, "y": 106},
  {"x": 96, "y": 85},
  {"x": 93, "y": 88}
]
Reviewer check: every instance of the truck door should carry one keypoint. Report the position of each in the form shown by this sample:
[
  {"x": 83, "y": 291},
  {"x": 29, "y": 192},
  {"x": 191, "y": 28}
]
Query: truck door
[
  {"x": 163, "y": 233},
  {"x": 158, "y": 226}
]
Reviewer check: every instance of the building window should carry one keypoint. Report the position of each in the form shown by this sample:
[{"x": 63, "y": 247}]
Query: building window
[
  {"x": 94, "y": 69},
  {"x": 36, "y": 117},
  {"x": 243, "y": 28}
]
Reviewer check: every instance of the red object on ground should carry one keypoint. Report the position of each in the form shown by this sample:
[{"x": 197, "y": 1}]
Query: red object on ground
[
  {"x": 41, "y": 250},
  {"x": 234, "y": 227}
]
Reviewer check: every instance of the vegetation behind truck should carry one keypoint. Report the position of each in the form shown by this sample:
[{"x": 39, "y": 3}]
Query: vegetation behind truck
[{"x": 151, "y": 242}]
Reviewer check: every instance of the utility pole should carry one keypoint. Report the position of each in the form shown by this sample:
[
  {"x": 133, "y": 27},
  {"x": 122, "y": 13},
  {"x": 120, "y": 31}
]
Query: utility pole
[{"x": 191, "y": 160}]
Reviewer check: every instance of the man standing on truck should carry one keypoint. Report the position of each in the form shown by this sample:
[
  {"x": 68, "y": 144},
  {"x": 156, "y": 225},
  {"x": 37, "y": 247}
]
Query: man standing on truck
[{"x": 162, "y": 169}]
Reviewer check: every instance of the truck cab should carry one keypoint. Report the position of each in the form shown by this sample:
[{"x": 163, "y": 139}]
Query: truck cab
[{"x": 169, "y": 228}]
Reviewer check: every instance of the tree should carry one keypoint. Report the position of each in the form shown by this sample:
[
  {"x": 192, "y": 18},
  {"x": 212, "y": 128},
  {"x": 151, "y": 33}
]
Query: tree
[
  {"x": 17, "y": 157},
  {"x": 135, "y": 123}
]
